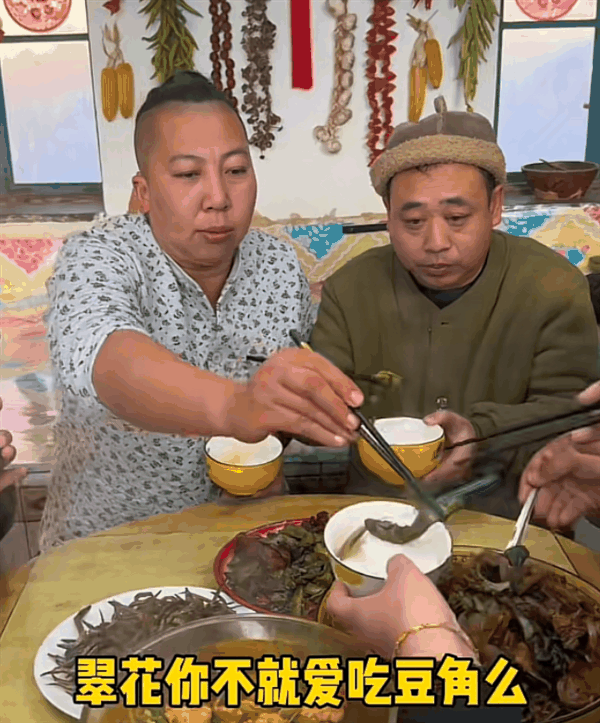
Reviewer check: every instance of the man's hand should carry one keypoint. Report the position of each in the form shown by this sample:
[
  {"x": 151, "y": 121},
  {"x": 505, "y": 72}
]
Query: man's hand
[
  {"x": 300, "y": 393},
  {"x": 568, "y": 472},
  {"x": 8, "y": 477},
  {"x": 456, "y": 464}
]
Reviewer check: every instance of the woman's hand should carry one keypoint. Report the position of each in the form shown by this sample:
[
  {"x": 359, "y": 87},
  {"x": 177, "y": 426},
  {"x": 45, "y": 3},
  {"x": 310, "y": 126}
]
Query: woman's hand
[
  {"x": 407, "y": 599},
  {"x": 9, "y": 477},
  {"x": 300, "y": 393},
  {"x": 456, "y": 464}
]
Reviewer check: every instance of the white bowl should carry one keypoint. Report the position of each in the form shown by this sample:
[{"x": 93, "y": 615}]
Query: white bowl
[{"x": 365, "y": 572}]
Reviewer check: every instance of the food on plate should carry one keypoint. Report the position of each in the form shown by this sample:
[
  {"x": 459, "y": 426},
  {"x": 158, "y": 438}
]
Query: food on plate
[
  {"x": 130, "y": 627},
  {"x": 248, "y": 712},
  {"x": 538, "y": 620},
  {"x": 286, "y": 572}
]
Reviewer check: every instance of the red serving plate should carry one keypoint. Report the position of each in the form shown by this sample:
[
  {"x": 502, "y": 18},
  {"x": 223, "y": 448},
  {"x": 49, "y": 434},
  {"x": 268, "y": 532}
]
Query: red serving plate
[{"x": 226, "y": 553}]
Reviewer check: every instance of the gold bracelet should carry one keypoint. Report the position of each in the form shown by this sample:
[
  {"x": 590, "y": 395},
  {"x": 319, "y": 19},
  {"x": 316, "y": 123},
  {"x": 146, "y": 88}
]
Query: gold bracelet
[{"x": 429, "y": 626}]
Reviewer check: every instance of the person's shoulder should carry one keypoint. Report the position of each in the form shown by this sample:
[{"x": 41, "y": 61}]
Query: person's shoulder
[
  {"x": 121, "y": 233},
  {"x": 360, "y": 268},
  {"x": 531, "y": 262},
  {"x": 262, "y": 249}
]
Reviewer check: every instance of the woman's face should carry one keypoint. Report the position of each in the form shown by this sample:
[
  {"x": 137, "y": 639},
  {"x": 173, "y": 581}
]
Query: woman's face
[{"x": 198, "y": 185}]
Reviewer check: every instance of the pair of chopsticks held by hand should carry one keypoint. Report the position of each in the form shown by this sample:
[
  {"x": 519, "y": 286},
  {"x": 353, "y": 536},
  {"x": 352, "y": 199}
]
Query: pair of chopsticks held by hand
[
  {"x": 504, "y": 440},
  {"x": 538, "y": 430}
]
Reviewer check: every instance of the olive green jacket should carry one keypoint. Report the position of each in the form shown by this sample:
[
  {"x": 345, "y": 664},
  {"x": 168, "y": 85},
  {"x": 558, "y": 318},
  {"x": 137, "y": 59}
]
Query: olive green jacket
[{"x": 517, "y": 345}]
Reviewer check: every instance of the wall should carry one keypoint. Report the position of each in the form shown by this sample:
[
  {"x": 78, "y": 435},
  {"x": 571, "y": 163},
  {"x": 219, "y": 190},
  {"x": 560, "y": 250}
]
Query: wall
[{"x": 296, "y": 176}]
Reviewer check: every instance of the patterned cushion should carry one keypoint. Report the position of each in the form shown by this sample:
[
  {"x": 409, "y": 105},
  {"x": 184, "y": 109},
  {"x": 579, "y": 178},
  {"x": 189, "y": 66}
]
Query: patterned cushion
[{"x": 28, "y": 251}]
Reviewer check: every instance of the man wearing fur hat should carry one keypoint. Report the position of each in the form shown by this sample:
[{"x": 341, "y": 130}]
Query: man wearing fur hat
[{"x": 487, "y": 330}]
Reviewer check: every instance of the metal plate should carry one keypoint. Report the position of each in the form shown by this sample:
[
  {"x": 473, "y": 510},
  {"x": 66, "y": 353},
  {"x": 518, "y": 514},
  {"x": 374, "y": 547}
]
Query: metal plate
[{"x": 300, "y": 638}]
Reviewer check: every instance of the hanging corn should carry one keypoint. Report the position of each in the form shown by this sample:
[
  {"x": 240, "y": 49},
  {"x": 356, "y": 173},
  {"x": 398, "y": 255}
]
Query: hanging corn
[
  {"x": 425, "y": 63},
  {"x": 117, "y": 79},
  {"x": 435, "y": 66},
  {"x": 109, "y": 94}
]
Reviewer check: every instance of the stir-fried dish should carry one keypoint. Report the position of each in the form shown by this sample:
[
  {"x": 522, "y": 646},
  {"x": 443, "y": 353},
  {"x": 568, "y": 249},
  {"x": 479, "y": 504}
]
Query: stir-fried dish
[
  {"x": 130, "y": 627},
  {"x": 287, "y": 572},
  {"x": 248, "y": 712},
  {"x": 549, "y": 628}
]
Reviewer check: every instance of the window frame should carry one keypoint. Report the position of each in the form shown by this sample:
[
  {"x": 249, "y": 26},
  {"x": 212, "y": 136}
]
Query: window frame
[
  {"x": 592, "y": 148},
  {"x": 8, "y": 187}
]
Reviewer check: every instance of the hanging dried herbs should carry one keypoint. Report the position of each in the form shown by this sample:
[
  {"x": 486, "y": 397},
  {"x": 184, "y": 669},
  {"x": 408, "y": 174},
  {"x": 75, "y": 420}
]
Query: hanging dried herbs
[
  {"x": 476, "y": 37},
  {"x": 343, "y": 76},
  {"x": 258, "y": 41},
  {"x": 173, "y": 43},
  {"x": 219, "y": 11}
]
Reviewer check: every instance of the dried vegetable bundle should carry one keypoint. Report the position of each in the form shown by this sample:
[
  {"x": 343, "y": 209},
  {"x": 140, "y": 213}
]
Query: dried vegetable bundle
[
  {"x": 219, "y": 11},
  {"x": 286, "y": 572},
  {"x": 476, "y": 37},
  {"x": 541, "y": 622},
  {"x": 173, "y": 43},
  {"x": 117, "y": 79},
  {"x": 130, "y": 627},
  {"x": 343, "y": 76},
  {"x": 258, "y": 41},
  {"x": 381, "y": 86},
  {"x": 425, "y": 64}
]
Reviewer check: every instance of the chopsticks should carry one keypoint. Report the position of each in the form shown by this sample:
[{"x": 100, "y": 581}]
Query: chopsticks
[
  {"x": 370, "y": 434},
  {"x": 537, "y": 431}
]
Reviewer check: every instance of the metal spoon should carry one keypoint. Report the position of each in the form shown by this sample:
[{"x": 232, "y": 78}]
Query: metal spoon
[{"x": 515, "y": 552}]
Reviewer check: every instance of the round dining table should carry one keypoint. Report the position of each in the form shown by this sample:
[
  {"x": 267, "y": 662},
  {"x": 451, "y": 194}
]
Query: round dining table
[{"x": 179, "y": 550}]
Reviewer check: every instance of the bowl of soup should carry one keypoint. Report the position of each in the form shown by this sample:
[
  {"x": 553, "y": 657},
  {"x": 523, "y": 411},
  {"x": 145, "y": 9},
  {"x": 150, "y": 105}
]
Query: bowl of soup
[
  {"x": 416, "y": 444},
  {"x": 244, "y": 469},
  {"x": 364, "y": 571}
]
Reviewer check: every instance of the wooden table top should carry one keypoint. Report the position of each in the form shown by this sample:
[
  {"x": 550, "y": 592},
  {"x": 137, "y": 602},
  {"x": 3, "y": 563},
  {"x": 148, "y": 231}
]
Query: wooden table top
[{"x": 179, "y": 550}]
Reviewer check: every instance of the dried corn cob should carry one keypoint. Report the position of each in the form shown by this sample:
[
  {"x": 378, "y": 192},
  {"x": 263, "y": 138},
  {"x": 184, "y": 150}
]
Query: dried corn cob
[
  {"x": 418, "y": 93},
  {"x": 125, "y": 89},
  {"x": 418, "y": 72},
  {"x": 109, "y": 94},
  {"x": 435, "y": 67}
]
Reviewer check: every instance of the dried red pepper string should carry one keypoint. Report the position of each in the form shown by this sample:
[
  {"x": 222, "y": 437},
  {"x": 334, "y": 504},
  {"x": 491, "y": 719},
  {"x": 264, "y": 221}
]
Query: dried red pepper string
[
  {"x": 380, "y": 49},
  {"x": 219, "y": 10}
]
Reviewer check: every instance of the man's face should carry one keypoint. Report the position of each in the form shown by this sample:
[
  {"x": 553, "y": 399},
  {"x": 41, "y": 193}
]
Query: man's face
[
  {"x": 440, "y": 223},
  {"x": 199, "y": 184}
]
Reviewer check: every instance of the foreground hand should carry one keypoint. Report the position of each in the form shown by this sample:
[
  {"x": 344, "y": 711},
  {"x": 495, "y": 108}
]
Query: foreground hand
[
  {"x": 568, "y": 472},
  {"x": 8, "y": 477},
  {"x": 407, "y": 599},
  {"x": 300, "y": 393},
  {"x": 456, "y": 464}
]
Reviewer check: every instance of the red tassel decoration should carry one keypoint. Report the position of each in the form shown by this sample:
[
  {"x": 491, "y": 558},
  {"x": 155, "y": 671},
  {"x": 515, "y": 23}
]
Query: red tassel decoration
[
  {"x": 301, "y": 29},
  {"x": 113, "y": 5}
]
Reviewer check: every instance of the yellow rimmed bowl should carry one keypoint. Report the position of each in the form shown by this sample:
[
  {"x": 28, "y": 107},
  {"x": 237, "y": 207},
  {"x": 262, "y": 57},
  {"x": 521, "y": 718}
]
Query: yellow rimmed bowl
[
  {"x": 416, "y": 444},
  {"x": 244, "y": 469},
  {"x": 364, "y": 572}
]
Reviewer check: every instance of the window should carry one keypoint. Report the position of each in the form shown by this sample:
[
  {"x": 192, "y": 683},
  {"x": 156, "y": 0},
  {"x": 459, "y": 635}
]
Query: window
[
  {"x": 548, "y": 93},
  {"x": 49, "y": 152}
]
